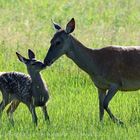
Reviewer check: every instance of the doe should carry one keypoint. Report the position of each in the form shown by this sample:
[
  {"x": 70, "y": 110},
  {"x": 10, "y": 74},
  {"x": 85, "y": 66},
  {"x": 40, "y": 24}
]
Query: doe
[{"x": 111, "y": 68}]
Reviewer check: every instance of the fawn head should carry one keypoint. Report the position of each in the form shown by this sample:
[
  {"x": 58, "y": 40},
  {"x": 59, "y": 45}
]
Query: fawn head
[
  {"x": 31, "y": 63},
  {"x": 60, "y": 43}
]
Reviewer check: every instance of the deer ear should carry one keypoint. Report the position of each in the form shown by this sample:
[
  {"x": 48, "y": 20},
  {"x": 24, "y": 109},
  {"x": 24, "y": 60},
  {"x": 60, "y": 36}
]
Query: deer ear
[
  {"x": 31, "y": 54},
  {"x": 21, "y": 58},
  {"x": 56, "y": 26},
  {"x": 70, "y": 26}
]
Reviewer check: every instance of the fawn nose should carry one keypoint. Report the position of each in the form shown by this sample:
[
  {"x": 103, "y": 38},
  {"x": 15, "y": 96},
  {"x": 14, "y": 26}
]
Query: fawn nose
[{"x": 43, "y": 66}]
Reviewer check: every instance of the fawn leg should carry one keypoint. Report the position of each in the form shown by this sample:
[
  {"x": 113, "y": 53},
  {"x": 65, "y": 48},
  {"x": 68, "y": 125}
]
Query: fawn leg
[
  {"x": 101, "y": 96},
  {"x": 45, "y": 112},
  {"x": 32, "y": 110},
  {"x": 111, "y": 92},
  {"x": 13, "y": 106},
  {"x": 3, "y": 104}
]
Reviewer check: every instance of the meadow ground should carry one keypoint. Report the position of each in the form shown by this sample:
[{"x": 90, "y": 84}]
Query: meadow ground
[{"x": 73, "y": 107}]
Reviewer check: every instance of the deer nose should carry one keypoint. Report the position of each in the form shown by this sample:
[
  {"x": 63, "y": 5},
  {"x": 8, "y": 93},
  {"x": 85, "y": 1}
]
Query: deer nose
[{"x": 47, "y": 62}]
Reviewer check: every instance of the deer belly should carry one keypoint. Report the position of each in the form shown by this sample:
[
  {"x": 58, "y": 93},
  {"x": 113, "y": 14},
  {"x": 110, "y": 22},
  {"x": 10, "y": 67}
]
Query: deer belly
[
  {"x": 39, "y": 103},
  {"x": 130, "y": 85}
]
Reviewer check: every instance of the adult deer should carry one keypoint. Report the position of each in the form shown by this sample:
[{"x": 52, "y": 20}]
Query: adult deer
[{"x": 111, "y": 68}]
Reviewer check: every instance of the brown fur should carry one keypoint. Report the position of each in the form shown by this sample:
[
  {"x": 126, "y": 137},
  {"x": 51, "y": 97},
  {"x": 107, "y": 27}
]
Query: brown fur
[{"x": 111, "y": 68}]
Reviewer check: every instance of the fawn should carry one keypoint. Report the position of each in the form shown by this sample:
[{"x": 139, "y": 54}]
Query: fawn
[{"x": 17, "y": 87}]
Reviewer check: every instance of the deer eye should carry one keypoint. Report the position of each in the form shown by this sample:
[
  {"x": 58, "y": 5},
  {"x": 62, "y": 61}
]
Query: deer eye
[
  {"x": 57, "y": 43},
  {"x": 33, "y": 64}
]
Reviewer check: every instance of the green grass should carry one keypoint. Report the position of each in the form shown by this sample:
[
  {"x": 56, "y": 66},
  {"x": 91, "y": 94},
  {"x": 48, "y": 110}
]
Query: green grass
[{"x": 73, "y": 107}]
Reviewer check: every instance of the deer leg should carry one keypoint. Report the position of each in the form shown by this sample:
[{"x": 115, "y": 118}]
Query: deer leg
[
  {"x": 13, "y": 106},
  {"x": 45, "y": 112},
  {"x": 34, "y": 116},
  {"x": 101, "y": 96},
  {"x": 111, "y": 92},
  {"x": 3, "y": 104}
]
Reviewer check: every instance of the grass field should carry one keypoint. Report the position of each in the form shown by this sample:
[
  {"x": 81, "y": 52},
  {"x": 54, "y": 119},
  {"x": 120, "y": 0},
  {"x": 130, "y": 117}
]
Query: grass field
[{"x": 73, "y": 107}]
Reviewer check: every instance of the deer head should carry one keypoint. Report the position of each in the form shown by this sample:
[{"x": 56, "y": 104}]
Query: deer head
[
  {"x": 31, "y": 63},
  {"x": 60, "y": 43}
]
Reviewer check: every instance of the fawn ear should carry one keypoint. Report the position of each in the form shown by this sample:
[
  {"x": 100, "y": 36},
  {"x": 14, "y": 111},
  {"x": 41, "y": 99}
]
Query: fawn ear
[
  {"x": 31, "y": 54},
  {"x": 21, "y": 58},
  {"x": 70, "y": 26},
  {"x": 56, "y": 26}
]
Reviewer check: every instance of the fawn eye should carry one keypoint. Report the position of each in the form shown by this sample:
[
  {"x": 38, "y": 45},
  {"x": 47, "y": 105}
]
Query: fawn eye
[{"x": 32, "y": 63}]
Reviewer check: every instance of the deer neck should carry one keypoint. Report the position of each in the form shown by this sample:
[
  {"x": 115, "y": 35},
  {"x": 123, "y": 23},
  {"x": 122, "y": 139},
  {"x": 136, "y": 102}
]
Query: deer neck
[
  {"x": 37, "y": 82},
  {"x": 82, "y": 56},
  {"x": 39, "y": 91}
]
